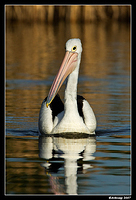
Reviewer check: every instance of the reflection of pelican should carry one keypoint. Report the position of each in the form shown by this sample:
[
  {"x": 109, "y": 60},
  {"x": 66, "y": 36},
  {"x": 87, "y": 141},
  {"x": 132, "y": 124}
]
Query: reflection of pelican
[
  {"x": 71, "y": 150},
  {"x": 75, "y": 115}
]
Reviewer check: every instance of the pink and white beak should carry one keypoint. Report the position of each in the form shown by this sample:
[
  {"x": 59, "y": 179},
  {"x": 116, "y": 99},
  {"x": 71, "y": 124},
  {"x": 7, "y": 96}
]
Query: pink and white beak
[{"x": 67, "y": 67}]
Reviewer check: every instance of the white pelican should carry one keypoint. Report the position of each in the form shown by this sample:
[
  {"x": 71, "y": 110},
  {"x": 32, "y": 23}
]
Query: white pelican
[{"x": 75, "y": 115}]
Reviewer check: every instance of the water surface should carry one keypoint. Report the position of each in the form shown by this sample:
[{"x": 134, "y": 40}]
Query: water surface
[{"x": 68, "y": 164}]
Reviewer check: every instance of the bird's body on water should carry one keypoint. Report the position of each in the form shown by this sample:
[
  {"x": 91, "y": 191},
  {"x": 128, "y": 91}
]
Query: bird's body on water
[{"x": 75, "y": 115}]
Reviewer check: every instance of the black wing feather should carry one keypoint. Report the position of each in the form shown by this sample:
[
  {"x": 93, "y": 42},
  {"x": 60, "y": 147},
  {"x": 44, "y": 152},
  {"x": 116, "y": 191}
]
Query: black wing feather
[
  {"x": 80, "y": 105},
  {"x": 56, "y": 106}
]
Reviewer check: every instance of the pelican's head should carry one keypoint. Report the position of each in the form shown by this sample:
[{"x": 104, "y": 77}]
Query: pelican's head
[
  {"x": 74, "y": 45},
  {"x": 69, "y": 64}
]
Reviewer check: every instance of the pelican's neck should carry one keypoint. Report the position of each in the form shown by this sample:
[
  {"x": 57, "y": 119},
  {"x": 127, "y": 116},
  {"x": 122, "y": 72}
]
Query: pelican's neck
[{"x": 71, "y": 88}]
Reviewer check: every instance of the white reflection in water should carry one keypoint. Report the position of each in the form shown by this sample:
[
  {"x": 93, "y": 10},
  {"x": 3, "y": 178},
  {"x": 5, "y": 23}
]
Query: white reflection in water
[{"x": 71, "y": 149}]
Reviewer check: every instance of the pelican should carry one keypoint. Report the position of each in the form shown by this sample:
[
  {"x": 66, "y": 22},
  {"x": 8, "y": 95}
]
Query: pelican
[{"x": 75, "y": 115}]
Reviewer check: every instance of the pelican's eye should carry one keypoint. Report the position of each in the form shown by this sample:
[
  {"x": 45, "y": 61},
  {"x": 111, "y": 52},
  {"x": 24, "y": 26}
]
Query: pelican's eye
[{"x": 74, "y": 48}]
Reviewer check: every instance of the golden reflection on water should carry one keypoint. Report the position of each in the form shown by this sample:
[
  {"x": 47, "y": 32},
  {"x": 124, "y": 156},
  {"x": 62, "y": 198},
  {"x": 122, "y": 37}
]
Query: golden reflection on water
[{"x": 36, "y": 51}]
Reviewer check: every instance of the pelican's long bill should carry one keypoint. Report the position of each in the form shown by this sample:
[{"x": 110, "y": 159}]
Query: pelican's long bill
[{"x": 67, "y": 67}]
